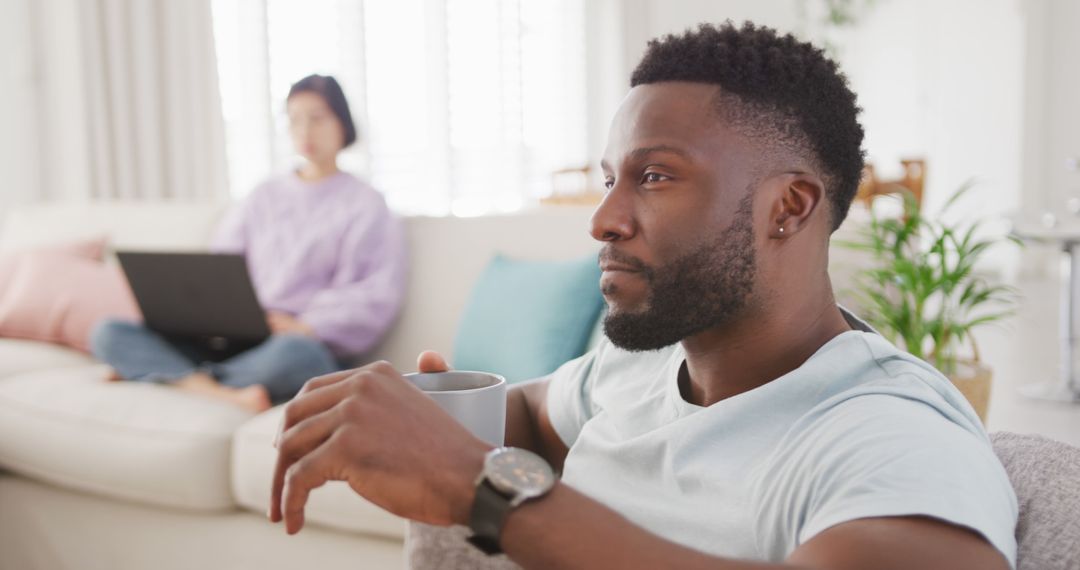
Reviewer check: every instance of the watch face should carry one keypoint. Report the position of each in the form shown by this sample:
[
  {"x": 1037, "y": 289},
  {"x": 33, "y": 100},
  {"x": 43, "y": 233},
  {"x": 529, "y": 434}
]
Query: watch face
[{"x": 519, "y": 472}]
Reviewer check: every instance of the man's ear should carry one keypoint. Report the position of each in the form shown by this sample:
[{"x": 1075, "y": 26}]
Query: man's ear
[{"x": 794, "y": 204}]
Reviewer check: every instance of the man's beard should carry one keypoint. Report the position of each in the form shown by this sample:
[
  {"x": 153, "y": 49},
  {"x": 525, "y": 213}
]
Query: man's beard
[{"x": 706, "y": 288}]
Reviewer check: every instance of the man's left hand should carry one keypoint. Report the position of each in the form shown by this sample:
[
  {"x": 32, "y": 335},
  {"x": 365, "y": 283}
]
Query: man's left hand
[{"x": 373, "y": 429}]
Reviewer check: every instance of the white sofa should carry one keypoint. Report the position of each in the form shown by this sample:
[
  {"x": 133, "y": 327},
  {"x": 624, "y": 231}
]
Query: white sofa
[{"x": 124, "y": 475}]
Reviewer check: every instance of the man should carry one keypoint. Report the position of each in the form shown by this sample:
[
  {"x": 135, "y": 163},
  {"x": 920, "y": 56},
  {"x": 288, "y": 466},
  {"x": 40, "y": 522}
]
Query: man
[{"x": 736, "y": 417}]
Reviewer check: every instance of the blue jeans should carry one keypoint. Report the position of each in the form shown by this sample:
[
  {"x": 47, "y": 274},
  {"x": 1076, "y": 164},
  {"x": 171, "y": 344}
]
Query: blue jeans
[{"x": 282, "y": 363}]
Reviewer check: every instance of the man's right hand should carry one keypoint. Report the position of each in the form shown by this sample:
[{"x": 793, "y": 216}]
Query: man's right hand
[{"x": 527, "y": 422}]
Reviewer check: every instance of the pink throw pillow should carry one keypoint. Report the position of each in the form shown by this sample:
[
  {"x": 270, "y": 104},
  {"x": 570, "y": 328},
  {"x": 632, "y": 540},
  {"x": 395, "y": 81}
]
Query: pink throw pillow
[
  {"x": 92, "y": 249},
  {"x": 54, "y": 296}
]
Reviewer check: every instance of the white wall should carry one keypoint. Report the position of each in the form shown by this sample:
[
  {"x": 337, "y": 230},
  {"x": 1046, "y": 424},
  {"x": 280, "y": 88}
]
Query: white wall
[
  {"x": 606, "y": 77},
  {"x": 647, "y": 19},
  {"x": 1052, "y": 106},
  {"x": 944, "y": 80}
]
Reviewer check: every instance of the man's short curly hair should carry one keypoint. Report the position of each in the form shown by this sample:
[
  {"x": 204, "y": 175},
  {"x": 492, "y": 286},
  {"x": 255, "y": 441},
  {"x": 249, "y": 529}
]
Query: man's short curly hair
[{"x": 776, "y": 89}]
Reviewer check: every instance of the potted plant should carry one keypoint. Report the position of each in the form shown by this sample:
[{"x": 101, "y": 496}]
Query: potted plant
[{"x": 922, "y": 290}]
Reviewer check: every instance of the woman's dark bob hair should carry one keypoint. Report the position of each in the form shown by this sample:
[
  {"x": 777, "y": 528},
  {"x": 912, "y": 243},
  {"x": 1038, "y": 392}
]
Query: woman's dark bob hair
[{"x": 328, "y": 88}]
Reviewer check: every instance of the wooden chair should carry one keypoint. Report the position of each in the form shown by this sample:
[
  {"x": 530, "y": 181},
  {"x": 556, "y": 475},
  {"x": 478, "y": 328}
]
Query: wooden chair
[{"x": 911, "y": 181}]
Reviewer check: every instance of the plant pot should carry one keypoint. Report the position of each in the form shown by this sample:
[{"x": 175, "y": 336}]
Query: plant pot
[{"x": 973, "y": 379}]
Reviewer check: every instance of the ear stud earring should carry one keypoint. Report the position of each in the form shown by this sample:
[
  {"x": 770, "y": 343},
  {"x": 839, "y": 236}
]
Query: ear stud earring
[{"x": 781, "y": 229}]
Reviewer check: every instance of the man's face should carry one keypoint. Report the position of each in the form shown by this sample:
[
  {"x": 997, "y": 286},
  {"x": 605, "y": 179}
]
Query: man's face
[{"x": 677, "y": 220}]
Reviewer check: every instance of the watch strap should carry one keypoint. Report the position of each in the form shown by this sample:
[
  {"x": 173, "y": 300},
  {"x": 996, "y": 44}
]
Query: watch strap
[
  {"x": 489, "y": 511},
  {"x": 485, "y": 544}
]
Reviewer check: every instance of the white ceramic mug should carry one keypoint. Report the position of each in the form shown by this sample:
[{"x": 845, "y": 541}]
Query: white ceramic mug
[{"x": 477, "y": 400}]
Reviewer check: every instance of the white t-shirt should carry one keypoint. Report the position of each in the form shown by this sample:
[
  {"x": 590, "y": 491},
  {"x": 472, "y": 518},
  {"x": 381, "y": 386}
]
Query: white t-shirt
[{"x": 860, "y": 430}]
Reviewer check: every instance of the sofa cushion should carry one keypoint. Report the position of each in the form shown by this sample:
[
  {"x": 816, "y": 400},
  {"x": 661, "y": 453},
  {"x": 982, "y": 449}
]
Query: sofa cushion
[
  {"x": 430, "y": 547},
  {"x": 526, "y": 318},
  {"x": 334, "y": 505},
  {"x": 141, "y": 442},
  {"x": 155, "y": 226},
  {"x": 1046, "y": 476},
  {"x": 18, "y": 356},
  {"x": 43, "y": 527}
]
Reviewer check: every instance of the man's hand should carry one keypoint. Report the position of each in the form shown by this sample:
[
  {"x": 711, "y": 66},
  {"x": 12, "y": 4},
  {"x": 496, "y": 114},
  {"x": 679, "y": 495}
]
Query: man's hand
[
  {"x": 373, "y": 429},
  {"x": 431, "y": 361},
  {"x": 284, "y": 323}
]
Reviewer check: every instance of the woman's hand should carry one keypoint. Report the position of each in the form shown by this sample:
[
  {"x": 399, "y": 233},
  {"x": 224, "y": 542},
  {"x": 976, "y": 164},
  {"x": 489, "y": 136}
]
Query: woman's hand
[{"x": 284, "y": 323}]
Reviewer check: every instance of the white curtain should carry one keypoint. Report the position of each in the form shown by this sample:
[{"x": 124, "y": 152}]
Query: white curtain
[{"x": 117, "y": 100}]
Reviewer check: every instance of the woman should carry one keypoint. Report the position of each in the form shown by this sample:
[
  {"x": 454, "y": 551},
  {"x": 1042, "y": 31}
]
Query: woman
[{"x": 327, "y": 259}]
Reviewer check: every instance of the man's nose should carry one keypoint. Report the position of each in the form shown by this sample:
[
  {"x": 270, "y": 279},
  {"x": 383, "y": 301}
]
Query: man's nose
[{"x": 613, "y": 219}]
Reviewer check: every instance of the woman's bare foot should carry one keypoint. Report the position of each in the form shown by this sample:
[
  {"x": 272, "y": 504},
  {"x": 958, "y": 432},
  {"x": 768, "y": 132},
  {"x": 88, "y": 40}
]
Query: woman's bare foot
[{"x": 254, "y": 398}]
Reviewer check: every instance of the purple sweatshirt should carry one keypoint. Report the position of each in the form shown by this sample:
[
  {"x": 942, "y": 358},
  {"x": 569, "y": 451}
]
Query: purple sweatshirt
[{"x": 329, "y": 253}]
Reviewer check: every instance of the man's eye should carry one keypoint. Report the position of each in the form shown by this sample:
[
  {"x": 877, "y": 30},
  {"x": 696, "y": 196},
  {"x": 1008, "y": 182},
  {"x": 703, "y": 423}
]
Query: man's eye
[
  {"x": 609, "y": 183},
  {"x": 653, "y": 177}
]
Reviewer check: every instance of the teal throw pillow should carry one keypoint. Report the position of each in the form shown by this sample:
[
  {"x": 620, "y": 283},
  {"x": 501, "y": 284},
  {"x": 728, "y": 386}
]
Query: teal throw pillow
[{"x": 526, "y": 318}]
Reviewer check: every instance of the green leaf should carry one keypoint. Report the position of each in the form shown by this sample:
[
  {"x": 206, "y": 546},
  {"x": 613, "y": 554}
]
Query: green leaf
[
  {"x": 921, "y": 288},
  {"x": 959, "y": 193}
]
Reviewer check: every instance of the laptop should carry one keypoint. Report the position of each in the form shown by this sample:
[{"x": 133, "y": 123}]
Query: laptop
[{"x": 203, "y": 297}]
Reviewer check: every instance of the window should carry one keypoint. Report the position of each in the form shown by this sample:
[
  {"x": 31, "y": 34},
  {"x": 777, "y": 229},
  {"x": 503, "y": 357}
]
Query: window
[{"x": 462, "y": 106}]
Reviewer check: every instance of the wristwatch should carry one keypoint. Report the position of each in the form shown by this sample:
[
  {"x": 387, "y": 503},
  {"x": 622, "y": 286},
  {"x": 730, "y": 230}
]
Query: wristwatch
[{"x": 510, "y": 477}]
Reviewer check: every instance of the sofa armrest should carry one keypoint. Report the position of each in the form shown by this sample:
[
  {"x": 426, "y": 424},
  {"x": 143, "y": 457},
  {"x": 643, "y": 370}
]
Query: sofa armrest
[{"x": 430, "y": 547}]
